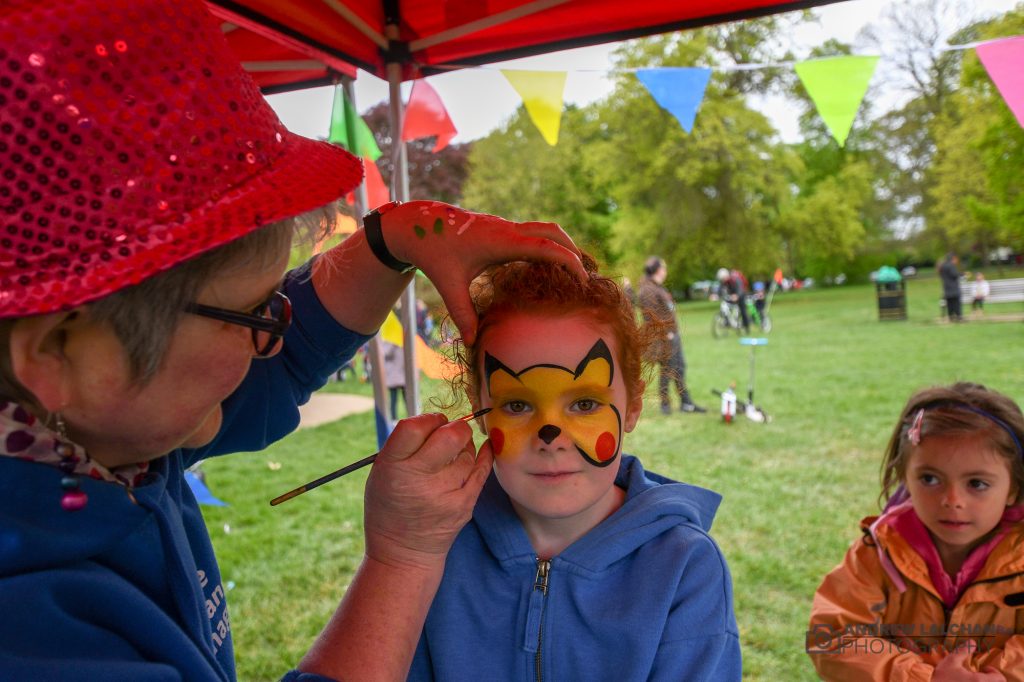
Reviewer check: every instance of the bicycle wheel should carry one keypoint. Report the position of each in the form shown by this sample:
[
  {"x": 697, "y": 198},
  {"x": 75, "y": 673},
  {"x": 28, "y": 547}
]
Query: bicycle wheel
[{"x": 719, "y": 326}]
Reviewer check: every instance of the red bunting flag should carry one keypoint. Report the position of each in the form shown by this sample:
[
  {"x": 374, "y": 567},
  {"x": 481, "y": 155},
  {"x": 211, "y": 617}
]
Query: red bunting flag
[
  {"x": 376, "y": 191},
  {"x": 425, "y": 116}
]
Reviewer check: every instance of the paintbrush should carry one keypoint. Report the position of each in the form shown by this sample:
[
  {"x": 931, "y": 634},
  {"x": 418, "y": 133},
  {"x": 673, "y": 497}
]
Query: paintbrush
[{"x": 353, "y": 466}]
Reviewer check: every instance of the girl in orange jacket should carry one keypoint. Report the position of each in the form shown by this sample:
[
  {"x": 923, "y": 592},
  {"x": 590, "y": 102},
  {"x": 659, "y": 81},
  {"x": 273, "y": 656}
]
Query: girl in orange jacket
[{"x": 934, "y": 590}]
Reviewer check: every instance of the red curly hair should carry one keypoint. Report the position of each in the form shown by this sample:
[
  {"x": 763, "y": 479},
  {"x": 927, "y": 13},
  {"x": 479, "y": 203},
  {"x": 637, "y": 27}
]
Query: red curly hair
[{"x": 551, "y": 289}]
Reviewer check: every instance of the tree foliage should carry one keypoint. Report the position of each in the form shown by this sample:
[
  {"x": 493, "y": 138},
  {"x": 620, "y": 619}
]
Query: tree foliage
[{"x": 626, "y": 181}]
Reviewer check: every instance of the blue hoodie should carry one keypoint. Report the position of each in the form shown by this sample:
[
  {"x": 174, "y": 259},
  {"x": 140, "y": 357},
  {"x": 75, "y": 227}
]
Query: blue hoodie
[
  {"x": 124, "y": 591},
  {"x": 645, "y": 595}
]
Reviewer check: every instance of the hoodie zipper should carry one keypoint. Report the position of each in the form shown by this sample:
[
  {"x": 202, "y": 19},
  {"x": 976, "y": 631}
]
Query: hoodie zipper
[{"x": 540, "y": 584}]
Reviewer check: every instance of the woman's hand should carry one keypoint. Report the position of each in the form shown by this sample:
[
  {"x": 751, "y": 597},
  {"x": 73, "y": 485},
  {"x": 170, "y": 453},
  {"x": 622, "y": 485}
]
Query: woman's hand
[
  {"x": 421, "y": 491},
  {"x": 452, "y": 246}
]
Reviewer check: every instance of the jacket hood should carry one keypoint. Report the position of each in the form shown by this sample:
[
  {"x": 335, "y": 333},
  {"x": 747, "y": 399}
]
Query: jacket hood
[
  {"x": 36, "y": 533},
  {"x": 654, "y": 504}
]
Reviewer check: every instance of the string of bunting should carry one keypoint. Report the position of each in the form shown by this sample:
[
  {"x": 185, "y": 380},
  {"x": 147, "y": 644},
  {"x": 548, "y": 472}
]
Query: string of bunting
[{"x": 836, "y": 85}]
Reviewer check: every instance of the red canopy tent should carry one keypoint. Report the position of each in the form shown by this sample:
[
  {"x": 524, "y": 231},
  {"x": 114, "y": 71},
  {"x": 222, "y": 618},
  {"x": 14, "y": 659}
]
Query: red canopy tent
[
  {"x": 306, "y": 43},
  {"x": 299, "y": 43}
]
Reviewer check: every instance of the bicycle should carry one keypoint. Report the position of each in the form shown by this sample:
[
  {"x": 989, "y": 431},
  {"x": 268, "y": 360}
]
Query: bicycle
[{"x": 728, "y": 317}]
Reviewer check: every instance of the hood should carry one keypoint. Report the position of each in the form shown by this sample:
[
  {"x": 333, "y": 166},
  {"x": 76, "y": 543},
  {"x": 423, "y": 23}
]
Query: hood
[
  {"x": 36, "y": 533},
  {"x": 654, "y": 504}
]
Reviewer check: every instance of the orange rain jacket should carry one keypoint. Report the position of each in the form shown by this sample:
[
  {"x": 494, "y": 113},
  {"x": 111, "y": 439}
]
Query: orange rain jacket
[{"x": 864, "y": 628}]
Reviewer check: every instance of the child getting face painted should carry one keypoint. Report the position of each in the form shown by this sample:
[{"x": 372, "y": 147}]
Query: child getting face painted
[{"x": 577, "y": 563}]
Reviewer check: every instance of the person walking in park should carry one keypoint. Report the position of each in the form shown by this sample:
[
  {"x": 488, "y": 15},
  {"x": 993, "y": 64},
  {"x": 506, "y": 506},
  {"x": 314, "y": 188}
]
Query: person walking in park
[
  {"x": 658, "y": 306},
  {"x": 950, "y": 276},
  {"x": 149, "y": 201},
  {"x": 932, "y": 590},
  {"x": 578, "y": 564}
]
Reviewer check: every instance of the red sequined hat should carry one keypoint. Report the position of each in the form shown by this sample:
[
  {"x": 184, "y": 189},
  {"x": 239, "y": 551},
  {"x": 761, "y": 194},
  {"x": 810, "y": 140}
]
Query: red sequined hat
[{"x": 130, "y": 140}]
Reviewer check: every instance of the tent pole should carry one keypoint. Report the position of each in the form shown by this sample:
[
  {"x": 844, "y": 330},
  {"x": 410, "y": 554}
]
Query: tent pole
[
  {"x": 375, "y": 356},
  {"x": 400, "y": 192}
]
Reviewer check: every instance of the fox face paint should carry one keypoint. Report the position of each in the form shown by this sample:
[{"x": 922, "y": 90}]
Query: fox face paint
[{"x": 546, "y": 402}]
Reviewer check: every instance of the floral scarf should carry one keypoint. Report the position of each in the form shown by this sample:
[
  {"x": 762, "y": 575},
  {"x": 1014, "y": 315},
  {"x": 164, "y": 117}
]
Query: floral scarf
[{"x": 25, "y": 437}]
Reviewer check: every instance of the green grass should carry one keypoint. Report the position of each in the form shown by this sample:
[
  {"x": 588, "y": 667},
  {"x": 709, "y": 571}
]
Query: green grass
[{"x": 833, "y": 378}]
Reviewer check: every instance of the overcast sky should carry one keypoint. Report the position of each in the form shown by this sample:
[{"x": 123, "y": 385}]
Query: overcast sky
[{"x": 480, "y": 99}]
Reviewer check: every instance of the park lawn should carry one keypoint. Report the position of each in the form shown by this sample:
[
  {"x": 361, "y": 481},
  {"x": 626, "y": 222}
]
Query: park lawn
[{"x": 833, "y": 378}]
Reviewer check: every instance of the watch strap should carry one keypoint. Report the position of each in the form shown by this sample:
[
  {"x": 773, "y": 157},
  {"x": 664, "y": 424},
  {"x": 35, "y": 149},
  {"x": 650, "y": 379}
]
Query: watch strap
[{"x": 375, "y": 239}]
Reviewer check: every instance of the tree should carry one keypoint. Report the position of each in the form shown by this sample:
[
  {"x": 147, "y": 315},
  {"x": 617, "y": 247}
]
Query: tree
[
  {"x": 432, "y": 175},
  {"x": 708, "y": 198},
  {"x": 912, "y": 37},
  {"x": 516, "y": 174},
  {"x": 978, "y": 198}
]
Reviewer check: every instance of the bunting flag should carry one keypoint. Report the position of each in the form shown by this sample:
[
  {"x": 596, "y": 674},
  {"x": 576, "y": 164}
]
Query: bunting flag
[
  {"x": 425, "y": 116},
  {"x": 428, "y": 360},
  {"x": 837, "y": 86},
  {"x": 541, "y": 92},
  {"x": 1004, "y": 61},
  {"x": 349, "y": 130},
  {"x": 377, "y": 193},
  {"x": 679, "y": 91},
  {"x": 391, "y": 330}
]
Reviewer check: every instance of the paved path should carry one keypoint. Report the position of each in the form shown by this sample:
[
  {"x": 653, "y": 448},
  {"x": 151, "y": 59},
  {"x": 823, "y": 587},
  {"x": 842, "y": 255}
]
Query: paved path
[{"x": 327, "y": 407}]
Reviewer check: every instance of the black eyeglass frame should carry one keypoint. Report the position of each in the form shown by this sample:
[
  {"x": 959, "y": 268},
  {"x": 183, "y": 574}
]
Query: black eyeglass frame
[{"x": 277, "y": 306}]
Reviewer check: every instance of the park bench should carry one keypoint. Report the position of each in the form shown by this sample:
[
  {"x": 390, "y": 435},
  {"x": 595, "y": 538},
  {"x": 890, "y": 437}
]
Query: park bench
[{"x": 1000, "y": 291}]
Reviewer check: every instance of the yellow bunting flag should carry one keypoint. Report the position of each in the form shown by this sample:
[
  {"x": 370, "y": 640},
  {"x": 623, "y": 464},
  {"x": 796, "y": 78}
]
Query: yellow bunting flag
[
  {"x": 391, "y": 330},
  {"x": 837, "y": 86},
  {"x": 542, "y": 95}
]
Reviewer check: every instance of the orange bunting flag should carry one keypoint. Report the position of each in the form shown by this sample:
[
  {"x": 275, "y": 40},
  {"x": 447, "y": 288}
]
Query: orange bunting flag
[
  {"x": 433, "y": 364},
  {"x": 425, "y": 116}
]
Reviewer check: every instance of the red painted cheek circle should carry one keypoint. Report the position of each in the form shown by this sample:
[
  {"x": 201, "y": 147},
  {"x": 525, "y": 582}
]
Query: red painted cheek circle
[
  {"x": 605, "y": 446},
  {"x": 497, "y": 441}
]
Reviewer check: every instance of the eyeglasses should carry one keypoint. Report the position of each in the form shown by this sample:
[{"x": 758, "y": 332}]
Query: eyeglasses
[{"x": 268, "y": 321}]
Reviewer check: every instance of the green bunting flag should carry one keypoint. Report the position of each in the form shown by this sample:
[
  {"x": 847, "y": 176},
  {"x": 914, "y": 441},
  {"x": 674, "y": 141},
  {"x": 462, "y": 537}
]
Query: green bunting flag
[
  {"x": 349, "y": 130},
  {"x": 837, "y": 86}
]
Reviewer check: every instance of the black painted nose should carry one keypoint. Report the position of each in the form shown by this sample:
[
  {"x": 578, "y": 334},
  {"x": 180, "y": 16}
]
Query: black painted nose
[{"x": 548, "y": 433}]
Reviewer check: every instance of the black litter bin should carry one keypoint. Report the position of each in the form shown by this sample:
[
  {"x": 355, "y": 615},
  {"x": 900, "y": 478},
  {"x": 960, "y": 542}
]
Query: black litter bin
[{"x": 892, "y": 300}]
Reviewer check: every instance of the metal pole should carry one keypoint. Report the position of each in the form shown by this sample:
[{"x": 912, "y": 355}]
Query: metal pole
[
  {"x": 400, "y": 192},
  {"x": 375, "y": 357}
]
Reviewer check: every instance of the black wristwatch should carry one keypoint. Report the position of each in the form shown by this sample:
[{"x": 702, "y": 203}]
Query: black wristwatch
[{"x": 375, "y": 239}]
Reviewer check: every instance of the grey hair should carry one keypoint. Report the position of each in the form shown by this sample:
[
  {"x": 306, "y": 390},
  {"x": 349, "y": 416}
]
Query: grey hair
[{"x": 145, "y": 316}]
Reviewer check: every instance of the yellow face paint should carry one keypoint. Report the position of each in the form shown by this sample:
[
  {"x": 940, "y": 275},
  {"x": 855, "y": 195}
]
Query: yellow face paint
[{"x": 544, "y": 401}]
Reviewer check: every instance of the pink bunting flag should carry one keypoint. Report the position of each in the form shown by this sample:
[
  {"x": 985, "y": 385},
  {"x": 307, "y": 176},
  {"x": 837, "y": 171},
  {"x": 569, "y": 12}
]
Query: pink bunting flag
[
  {"x": 425, "y": 116},
  {"x": 1004, "y": 61}
]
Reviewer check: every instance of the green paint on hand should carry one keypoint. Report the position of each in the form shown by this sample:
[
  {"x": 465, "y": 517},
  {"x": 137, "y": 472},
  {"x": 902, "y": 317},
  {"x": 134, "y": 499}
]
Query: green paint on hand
[
  {"x": 438, "y": 226},
  {"x": 420, "y": 232}
]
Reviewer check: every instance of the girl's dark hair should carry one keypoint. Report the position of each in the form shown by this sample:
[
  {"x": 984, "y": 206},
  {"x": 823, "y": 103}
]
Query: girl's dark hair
[
  {"x": 552, "y": 289},
  {"x": 960, "y": 409}
]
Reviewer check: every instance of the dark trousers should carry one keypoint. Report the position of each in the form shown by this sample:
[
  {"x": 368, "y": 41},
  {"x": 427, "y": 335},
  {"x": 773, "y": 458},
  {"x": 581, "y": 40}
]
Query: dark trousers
[
  {"x": 394, "y": 391},
  {"x": 744, "y": 317},
  {"x": 953, "y": 311},
  {"x": 673, "y": 368}
]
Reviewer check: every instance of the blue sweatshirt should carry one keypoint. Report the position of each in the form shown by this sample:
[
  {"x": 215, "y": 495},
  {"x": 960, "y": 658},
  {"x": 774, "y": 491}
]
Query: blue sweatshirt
[
  {"x": 124, "y": 591},
  {"x": 645, "y": 595}
]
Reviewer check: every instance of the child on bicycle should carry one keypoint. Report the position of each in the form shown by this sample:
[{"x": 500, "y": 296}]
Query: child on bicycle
[
  {"x": 934, "y": 587},
  {"x": 577, "y": 563}
]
